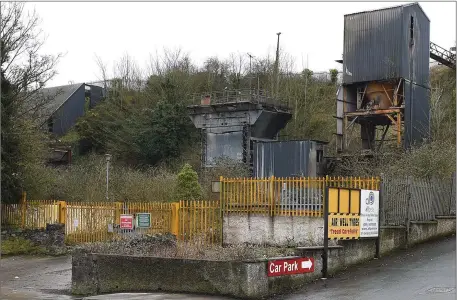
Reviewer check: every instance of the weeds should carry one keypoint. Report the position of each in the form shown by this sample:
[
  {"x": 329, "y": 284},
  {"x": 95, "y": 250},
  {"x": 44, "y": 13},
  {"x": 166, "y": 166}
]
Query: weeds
[
  {"x": 168, "y": 247},
  {"x": 20, "y": 246}
]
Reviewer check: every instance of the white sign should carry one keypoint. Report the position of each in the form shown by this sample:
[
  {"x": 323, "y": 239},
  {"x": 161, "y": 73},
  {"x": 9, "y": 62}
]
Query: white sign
[
  {"x": 369, "y": 213},
  {"x": 75, "y": 222}
]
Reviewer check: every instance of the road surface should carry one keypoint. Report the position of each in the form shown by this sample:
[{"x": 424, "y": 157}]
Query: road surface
[{"x": 424, "y": 272}]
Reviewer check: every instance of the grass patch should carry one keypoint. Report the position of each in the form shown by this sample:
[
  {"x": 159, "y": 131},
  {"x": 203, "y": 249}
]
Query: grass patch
[{"x": 20, "y": 246}]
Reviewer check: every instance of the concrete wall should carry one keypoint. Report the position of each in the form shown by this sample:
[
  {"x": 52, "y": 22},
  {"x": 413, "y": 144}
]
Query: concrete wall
[
  {"x": 101, "y": 273},
  {"x": 274, "y": 231}
]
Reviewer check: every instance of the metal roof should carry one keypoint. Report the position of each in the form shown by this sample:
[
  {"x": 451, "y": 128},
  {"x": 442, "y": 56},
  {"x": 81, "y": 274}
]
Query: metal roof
[
  {"x": 392, "y": 7},
  {"x": 55, "y": 97}
]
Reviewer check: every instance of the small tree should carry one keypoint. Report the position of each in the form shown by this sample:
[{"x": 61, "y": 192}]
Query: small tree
[
  {"x": 188, "y": 187},
  {"x": 334, "y": 75}
]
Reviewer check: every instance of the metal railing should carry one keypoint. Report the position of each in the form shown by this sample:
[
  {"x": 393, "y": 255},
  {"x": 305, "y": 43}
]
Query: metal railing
[
  {"x": 87, "y": 222},
  {"x": 299, "y": 196},
  {"x": 236, "y": 96},
  {"x": 413, "y": 199}
]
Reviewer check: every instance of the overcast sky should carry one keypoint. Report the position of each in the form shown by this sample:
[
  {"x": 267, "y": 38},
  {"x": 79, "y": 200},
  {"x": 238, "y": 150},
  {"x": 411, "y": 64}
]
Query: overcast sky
[{"x": 313, "y": 30}]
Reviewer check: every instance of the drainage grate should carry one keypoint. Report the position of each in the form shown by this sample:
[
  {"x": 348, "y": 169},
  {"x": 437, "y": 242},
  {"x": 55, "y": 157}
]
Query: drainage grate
[{"x": 440, "y": 290}]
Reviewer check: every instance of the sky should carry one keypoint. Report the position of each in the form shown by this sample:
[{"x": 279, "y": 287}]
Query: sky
[{"x": 312, "y": 32}]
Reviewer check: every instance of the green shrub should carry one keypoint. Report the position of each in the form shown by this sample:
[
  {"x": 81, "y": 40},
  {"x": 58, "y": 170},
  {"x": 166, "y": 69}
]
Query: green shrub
[{"x": 187, "y": 187}]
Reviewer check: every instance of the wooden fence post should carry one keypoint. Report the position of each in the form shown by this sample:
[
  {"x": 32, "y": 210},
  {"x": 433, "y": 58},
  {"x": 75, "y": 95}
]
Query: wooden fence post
[
  {"x": 175, "y": 219},
  {"x": 23, "y": 208}
]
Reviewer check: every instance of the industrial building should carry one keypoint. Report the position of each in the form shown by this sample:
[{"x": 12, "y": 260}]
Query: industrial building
[
  {"x": 65, "y": 104},
  {"x": 385, "y": 88},
  {"x": 231, "y": 121},
  {"x": 386, "y": 76}
]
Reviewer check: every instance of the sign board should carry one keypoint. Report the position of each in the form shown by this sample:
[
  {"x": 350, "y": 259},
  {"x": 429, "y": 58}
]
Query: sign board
[
  {"x": 369, "y": 213},
  {"x": 143, "y": 220},
  {"x": 343, "y": 200},
  {"x": 126, "y": 222},
  {"x": 343, "y": 226},
  {"x": 281, "y": 267}
]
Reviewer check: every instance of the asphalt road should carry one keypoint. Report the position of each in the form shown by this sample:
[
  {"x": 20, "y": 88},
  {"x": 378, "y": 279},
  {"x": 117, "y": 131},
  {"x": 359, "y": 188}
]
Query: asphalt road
[{"x": 424, "y": 272}]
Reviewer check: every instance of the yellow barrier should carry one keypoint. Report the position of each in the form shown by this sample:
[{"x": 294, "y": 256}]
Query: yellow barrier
[
  {"x": 188, "y": 220},
  {"x": 200, "y": 220},
  {"x": 90, "y": 221},
  {"x": 300, "y": 196}
]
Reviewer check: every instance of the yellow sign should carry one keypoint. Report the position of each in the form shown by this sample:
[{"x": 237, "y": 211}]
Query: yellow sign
[
  {"x": 343, "y": 226},
  {"x": 342, "y": 200}
]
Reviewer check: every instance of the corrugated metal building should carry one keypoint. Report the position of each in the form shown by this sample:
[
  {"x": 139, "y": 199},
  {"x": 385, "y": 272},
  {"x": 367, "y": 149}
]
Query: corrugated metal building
[
  {"x": 289, "y": 158},
  {"x": 377, "y": 45},
  {"x": 390, "y": 45},
  {"x": 65, "y": 104}
]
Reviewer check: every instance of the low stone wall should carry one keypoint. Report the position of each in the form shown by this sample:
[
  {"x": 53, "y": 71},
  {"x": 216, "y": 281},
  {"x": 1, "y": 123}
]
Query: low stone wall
[
  {"x": 102, "y": 273},
  {"x": 51, "y": 238}
]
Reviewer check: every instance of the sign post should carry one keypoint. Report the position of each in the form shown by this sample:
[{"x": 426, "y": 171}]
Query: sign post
[
  {"x": 378, "y": 240},
  {"x": 325, "y": 253}
]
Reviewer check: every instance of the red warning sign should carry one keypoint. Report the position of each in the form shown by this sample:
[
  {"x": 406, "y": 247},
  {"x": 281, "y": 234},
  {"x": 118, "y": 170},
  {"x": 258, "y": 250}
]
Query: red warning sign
[
  {"x": 290, "y": 266},
  {"x": 126, "y": 222}
]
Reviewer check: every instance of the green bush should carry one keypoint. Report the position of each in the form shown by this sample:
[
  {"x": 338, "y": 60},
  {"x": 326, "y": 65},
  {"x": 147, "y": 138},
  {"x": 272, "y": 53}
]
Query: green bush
[{"x": 187, "y": 187}]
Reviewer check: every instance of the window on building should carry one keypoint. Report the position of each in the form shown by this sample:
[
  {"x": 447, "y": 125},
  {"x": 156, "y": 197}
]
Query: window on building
[
  {"x": 319, "y": 155},
  {"x": 411, "y": 31},
  {"x": 50, "y": 124}
]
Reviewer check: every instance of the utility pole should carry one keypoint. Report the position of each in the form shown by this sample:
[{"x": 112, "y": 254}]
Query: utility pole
[
  {"x": 250, "y": 73},
  {"x": 277, "y": 65},
  {"x": 108, "y": 159}
]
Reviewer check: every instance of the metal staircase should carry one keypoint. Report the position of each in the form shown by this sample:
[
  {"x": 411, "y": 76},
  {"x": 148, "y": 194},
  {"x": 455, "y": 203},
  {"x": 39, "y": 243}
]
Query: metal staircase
[{"x": 442, "y": 55}]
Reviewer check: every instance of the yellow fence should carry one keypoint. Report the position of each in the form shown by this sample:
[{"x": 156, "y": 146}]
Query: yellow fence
[
  {"x": 300, "y": 196},
  {"x": 99, "y": 221},
  {"x": 201, "y": 220}
]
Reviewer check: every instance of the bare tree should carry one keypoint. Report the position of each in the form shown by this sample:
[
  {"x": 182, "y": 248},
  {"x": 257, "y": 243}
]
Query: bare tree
[
  {"x": 21, "y": 61},
  {"x": 103, "y": 70}
]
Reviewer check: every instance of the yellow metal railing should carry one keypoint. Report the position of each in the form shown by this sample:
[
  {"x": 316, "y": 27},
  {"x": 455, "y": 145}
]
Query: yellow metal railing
[
  {"x": 188, "y": 220},
  {"x": 291, "y": 196},
  {"x": 90, "y": 221},
  {"x": 200, "y": 220}
]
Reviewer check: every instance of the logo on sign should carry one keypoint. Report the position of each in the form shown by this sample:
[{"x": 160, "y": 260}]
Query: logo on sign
[{"x": 370, "y": 199}]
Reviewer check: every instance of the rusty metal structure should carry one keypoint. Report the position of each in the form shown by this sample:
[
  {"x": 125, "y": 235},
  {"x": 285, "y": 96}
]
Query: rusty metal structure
[
  {"x": 385, "y": 77},
  {"x": 232, "y": 120}
]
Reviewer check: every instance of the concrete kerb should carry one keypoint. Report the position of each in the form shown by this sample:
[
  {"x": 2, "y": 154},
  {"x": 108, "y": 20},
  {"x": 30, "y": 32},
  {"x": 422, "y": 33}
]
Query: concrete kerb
[{"x": 101, "y": 273}]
